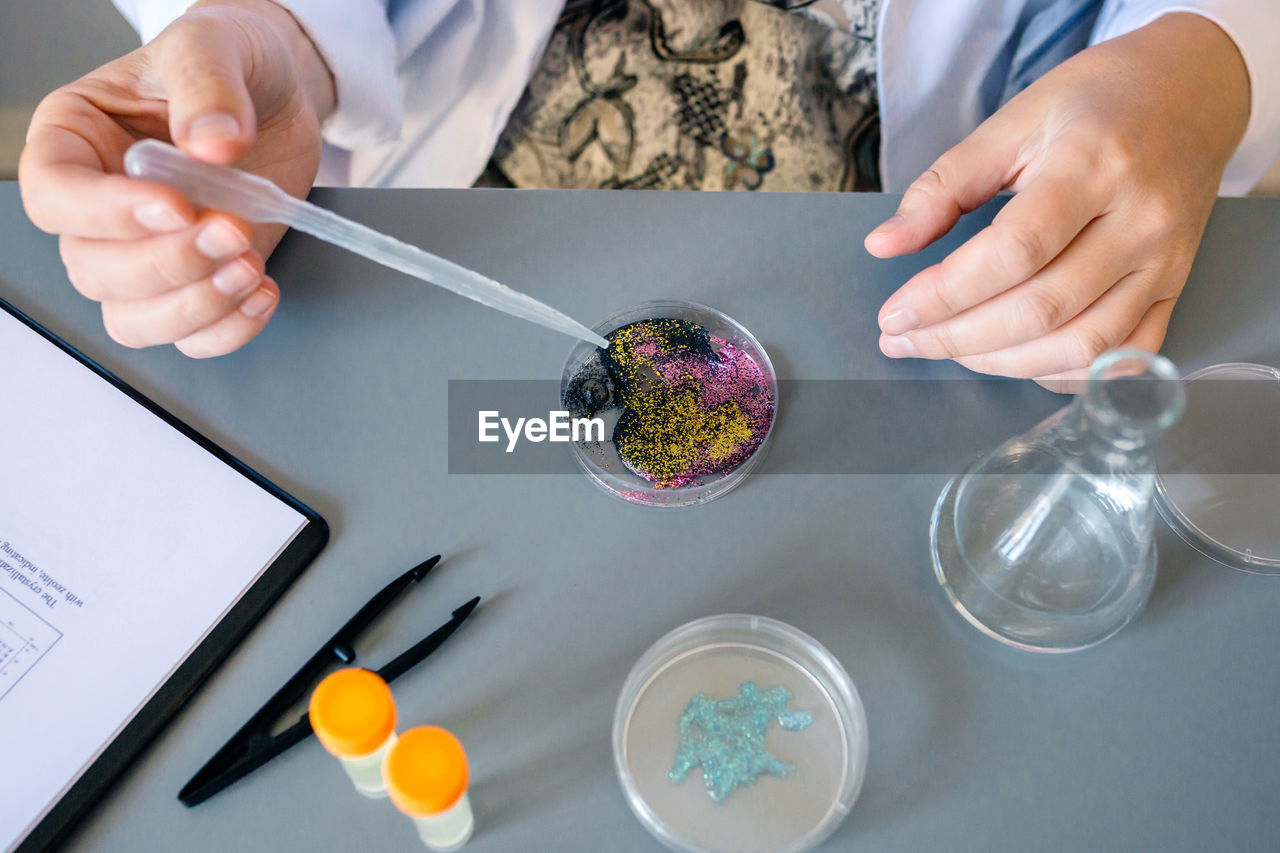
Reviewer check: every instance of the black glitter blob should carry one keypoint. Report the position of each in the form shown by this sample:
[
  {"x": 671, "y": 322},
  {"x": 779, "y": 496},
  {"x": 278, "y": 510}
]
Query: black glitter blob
[{"x": 591, "y": 390}]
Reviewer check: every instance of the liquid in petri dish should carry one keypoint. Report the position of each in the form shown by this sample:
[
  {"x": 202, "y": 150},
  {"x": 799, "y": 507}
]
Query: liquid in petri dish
[
  {"x": 692, "y": 404},
  {"x": 726, "y": 738}
]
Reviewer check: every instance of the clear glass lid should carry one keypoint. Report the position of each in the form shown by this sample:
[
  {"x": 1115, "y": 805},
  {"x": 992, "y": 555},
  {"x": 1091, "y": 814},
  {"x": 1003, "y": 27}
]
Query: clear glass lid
[{"x": 1218, "y": 469}]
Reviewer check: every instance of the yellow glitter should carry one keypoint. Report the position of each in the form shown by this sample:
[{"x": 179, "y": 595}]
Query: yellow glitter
[{"x": 675, "y": 433}]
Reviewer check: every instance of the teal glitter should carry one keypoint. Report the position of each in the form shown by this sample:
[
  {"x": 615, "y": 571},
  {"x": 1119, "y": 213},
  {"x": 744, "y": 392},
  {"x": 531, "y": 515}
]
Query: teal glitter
[{"x": 726, "y": 737}]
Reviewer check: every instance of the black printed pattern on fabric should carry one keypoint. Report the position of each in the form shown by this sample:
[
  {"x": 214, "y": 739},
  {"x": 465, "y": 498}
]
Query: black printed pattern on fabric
[{"x": 701, "y": 94}]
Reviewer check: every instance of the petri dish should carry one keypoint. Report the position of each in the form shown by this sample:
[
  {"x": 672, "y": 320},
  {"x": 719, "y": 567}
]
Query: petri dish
[
  {"x": 600, "y": 459},
  {"x": 774, "y": 814},
  {"x": 1218, "y": 469}
]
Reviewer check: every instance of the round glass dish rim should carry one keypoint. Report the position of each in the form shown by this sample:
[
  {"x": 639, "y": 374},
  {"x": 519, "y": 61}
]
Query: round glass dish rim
[
  {"x": 676, "y": 645},
  {"x": 1186, "y": 529},
  {"x": 739, "y": 472}
]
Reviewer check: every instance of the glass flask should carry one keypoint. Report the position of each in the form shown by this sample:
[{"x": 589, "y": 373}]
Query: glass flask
[{"x": 1047, "y": 543}]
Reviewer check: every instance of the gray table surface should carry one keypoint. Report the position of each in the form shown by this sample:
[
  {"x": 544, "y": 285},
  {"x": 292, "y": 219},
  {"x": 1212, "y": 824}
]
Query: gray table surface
[{"x": 1163, "y": 738}]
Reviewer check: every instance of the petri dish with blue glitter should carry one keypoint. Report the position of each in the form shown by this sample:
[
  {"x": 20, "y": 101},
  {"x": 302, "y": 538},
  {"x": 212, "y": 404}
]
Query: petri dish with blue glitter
[{"x": 739, "y": 734}]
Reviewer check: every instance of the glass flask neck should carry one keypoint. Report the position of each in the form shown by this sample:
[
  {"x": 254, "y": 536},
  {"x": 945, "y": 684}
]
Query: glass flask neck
[{"x": 1131, "y": 399}]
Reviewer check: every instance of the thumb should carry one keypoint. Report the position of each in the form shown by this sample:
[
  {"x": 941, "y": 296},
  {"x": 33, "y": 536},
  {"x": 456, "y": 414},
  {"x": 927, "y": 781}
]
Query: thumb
[{"x": 201, "y": 61}]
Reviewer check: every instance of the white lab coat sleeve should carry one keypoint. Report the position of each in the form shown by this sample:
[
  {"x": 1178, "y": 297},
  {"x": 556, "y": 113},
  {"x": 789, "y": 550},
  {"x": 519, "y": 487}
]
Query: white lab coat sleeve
[
  {"x": 356, "y": 42},
  {"x": 1254, "y": 26}
]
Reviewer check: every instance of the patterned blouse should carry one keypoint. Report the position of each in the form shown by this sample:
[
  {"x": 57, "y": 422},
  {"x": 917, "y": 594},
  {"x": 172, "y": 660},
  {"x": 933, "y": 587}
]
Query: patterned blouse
[{"x": 701, "y": 94}]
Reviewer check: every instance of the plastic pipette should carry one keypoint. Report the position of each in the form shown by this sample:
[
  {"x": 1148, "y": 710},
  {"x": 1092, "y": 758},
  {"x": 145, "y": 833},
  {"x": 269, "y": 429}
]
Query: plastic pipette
[{"x": 256, "y": 199}]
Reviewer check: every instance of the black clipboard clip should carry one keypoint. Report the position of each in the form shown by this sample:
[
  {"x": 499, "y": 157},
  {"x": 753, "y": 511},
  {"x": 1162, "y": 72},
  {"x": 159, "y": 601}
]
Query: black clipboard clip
[{"x": 254, "y": 745}]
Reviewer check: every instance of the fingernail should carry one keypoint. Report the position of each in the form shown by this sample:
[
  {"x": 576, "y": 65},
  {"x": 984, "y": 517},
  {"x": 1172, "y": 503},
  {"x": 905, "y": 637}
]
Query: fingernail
[
  {"x": 888, "y": 225},
  {"x": 258, "y": 304},
  {"x": 899, "y": 322},
  {"x": 219, "y": 240},
  {"x": 235, "y": 278},
  {"x": 158, "y": 216},
  {"x": 213, "y": 127},
  {"x": 896, "y": 346}
]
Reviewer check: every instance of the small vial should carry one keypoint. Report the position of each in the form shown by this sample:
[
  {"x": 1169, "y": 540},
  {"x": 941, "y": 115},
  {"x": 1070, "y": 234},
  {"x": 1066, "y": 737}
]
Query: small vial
[
  {"x": 354, "y": 717},
  {"x": 426, "y": 776}
]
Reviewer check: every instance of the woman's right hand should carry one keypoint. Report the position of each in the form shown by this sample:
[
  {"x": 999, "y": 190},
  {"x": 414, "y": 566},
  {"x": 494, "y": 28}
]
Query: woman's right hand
[{"x": 234, "y": 82}]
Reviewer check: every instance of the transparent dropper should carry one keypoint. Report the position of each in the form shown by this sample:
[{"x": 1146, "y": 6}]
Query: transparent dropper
[{"x": 258, "y": 200}]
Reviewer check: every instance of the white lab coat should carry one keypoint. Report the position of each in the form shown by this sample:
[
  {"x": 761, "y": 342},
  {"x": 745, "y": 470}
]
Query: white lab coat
[{"x": 424, "y": 87}]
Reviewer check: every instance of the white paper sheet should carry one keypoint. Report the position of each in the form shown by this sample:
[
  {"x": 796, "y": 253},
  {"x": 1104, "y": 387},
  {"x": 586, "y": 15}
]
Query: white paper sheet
[{"x": 122, "y": 543}]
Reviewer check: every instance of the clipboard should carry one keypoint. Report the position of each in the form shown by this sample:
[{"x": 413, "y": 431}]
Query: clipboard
[{"x": 97, "y": 776}]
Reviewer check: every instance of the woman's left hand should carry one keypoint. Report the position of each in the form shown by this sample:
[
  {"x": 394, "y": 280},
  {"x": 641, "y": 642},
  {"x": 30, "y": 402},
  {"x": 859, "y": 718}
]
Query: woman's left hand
[{"x": 1115, "y": 158}]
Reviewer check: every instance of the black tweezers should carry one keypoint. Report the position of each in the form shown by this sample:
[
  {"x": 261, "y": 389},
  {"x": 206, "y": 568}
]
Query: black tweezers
[{"x": 254, "y": 745}]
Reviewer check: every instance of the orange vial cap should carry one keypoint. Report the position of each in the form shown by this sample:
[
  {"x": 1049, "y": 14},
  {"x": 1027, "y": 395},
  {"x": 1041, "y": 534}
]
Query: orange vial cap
[
  {"x": 426, "y": 771},
  {"x": 352, "y": 712}
]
